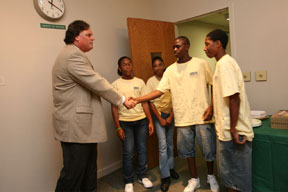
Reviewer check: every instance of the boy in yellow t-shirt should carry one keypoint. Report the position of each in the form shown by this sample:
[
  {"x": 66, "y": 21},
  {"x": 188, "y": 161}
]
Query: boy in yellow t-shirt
[
  {"x": 164, "y": 125},
  {"x": 188, "y": 80},
  {"x": 232, "y": 116}
]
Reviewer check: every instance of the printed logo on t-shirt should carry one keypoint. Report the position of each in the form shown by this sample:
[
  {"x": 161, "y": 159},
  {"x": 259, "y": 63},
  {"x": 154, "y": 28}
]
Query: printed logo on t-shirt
[{"x": 194, "y": 73}]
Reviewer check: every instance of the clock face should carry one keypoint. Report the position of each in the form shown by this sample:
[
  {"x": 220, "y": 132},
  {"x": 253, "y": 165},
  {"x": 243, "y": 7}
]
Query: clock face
[{"x": 50, "y": 9}]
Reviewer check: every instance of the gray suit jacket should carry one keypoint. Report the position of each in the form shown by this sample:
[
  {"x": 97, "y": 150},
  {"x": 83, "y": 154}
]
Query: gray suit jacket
[{"x": 77, "y": 88}]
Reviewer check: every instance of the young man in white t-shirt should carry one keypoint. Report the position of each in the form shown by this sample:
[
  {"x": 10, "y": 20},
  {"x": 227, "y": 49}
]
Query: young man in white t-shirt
[
  {"x": 188, "y": 80},
  {"x": 232, "y": 116}
]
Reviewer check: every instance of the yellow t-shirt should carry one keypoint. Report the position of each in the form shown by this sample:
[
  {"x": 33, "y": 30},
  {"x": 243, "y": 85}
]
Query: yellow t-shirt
[
  {"x": 163, "y": 103},
  {"x": 188, "y": 83},
  {"x": 227, "y": 81},
  {"x": 130, "y": 88}
]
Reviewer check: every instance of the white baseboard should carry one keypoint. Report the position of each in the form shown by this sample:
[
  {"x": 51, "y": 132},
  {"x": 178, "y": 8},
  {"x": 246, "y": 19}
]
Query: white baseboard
[{"x": 109, "y": 169}]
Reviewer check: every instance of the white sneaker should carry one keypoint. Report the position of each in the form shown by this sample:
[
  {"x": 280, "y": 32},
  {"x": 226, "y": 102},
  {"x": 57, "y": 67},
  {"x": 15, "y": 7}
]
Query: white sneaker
[
  {"x": 193, "y": 184},
  {"x": 129, "y": 187},
  {"x": 213, "y": 183},
  {"x": 146, "y": 183}
]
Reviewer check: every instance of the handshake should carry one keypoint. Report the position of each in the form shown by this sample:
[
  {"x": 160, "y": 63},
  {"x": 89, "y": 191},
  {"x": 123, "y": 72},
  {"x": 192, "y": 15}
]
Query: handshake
[{"x": 130, "y": 102}]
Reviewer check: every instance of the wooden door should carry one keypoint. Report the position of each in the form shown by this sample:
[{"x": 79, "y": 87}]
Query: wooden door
[{"x": 149, "y": 38}]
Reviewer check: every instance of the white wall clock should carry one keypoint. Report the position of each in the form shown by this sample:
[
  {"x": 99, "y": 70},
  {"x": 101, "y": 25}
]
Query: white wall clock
[{"x": 50, "y": 9}]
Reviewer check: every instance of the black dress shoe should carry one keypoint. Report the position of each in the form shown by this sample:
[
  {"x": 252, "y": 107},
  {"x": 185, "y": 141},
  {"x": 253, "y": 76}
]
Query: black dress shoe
[
  {"x": 174, "y": 174},
  {"x": 165, "y": 183}
]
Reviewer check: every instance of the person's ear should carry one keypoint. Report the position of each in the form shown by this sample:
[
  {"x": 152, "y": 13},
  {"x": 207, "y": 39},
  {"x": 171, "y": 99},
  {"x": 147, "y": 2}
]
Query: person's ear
[
  {"x": 76, "y": 38},
  {"x": 218, "y": 43}
]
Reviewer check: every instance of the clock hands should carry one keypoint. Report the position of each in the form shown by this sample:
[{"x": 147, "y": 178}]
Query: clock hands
[{"x": 52, "y": 4}]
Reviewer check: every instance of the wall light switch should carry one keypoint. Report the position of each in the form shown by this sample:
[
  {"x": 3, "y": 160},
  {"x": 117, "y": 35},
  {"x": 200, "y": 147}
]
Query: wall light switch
[
  {"x": 2, "y": 81},
  {"x": 247, "y": 76},
  {"x": 261, "y": 75}
]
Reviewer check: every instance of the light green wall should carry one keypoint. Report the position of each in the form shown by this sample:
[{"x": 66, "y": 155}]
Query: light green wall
[{"x": 196, "y": 32}]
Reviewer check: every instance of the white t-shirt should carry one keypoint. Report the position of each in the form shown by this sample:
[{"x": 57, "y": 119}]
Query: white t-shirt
[
  {"x": 130, "y": 88},
  {"x": 163, "y": 103},
  {"x": 188, "y": 83},
  {"x": 227, "y": 81}
]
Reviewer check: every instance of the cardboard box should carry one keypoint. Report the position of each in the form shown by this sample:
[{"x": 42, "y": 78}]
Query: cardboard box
[{"x": 279, "y": 120}]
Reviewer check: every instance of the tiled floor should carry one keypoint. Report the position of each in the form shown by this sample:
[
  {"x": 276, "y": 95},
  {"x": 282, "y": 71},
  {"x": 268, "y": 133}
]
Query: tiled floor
[{"x": 114, "y": 181}]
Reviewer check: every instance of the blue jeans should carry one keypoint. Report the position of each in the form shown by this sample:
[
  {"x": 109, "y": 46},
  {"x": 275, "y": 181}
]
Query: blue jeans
[
  {"x": 206, "y": 138},
  {"x": 235, "y": 165},
  {"x": 165, "y": 144},
  {"x": 135, "y": 133}
]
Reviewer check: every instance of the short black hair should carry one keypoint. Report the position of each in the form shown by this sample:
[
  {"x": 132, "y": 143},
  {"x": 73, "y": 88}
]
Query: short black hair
[
  {"x": 185, "y": 39},
  {"x": 119, "y": 64},
  {"x": 157, "y": 58},
  {"x": 74, "y": 29},
  {"x": 220, "y": 35}
]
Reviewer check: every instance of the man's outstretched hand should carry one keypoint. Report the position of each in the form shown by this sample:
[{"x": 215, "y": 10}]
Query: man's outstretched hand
[{"x": 130, "y": 103}]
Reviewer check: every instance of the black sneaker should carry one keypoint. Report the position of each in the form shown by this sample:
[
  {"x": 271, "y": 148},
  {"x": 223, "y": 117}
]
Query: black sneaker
[
  {"x": 174, "y": 174},
  {"x": 165, "y": 183}
]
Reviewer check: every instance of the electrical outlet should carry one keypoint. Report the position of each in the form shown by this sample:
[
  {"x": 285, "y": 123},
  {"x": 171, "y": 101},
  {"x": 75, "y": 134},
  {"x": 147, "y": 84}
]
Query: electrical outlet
[
  {"x": 247, "y": 76},
  {"x": 261, "y": 75}
]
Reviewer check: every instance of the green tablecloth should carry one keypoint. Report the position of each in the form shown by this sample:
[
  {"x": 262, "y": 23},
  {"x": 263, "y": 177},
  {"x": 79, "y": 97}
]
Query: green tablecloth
[{"x": 270, "y": 159}]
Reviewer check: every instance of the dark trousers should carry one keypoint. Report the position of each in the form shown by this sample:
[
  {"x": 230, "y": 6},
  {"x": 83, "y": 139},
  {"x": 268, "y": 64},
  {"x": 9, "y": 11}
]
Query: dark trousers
[{"x": 79, "y": 172}]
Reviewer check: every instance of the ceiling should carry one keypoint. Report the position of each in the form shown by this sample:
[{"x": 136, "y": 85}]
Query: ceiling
[{"x": 215, "y": 18}]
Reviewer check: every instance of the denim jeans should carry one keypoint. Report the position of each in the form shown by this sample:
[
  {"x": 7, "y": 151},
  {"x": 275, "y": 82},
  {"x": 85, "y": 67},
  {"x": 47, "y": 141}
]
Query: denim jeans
[
  {"x": 235, "y": 164},
  {"x": 165, "y": 144},
  {"x": 206, "y": 138},
  {"x": 135, "y": 134}
]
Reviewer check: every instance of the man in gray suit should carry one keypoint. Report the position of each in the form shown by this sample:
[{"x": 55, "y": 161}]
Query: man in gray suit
[{"x": 78, "y": 116}]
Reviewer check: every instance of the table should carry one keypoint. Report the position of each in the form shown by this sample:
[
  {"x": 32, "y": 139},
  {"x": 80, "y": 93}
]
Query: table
[{"x": 270, "y": 159}]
